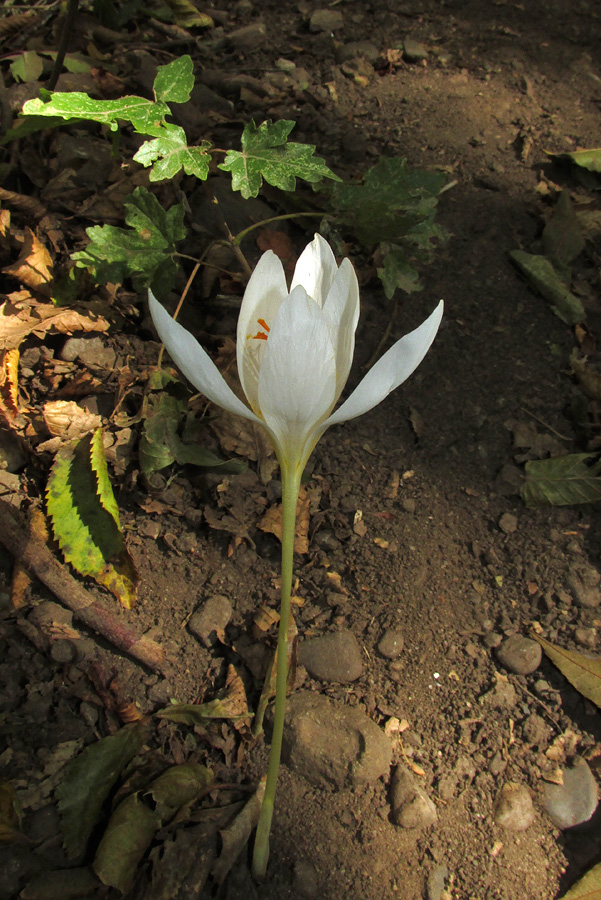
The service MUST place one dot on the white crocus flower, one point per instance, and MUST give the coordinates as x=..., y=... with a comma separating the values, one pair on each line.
x=295, y=350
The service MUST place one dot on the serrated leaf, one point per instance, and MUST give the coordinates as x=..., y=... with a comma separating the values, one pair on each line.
x=562, y=480
x=88, y=781
x=541, y=275
x=266, y=155
x=174, y=82
x=127, y=837
x=100, y=469
x=583, y=672
x=177, y=786
x=145, y=249
x=394, y=203
x=170, y=153
x=587, y=159
x=588, y=888
x=86, y=530
x=397, y=272
x=145, y=115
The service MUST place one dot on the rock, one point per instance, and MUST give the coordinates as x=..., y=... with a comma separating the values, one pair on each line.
x=333, y=746
x=206, y=623
x=519, y=654
x=391, y=644
x=574, y=801
x=508, y=523
x=502, y=696
x=513, y=809
x=332, y=657
x=248, y=38
x=411, y=806
x=535, y=730
x=413, y=51
x=583, y=582
x=326, y=20
x=306, y=883
x=436, y=882
x=49, y=613
x=357, y=50
x=586, y=637
x=90, y=351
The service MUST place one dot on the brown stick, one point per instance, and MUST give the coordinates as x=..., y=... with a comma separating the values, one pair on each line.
x=38, y=558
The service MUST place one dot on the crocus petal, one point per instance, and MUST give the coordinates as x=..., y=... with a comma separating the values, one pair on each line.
x=389, y=372
x=316, y=269
x=298, y=374
x=194, y=362
x=262, y=299
x=341, y=309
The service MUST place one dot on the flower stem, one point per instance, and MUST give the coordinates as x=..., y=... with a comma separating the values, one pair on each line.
x=290, y=489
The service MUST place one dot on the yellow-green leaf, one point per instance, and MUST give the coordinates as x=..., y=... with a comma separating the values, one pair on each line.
x=588, y=888
x=583, y=672
x=85, y=519
x=127, y=837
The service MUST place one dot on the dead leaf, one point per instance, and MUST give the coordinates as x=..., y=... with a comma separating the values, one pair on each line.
x=417, y=422
x=281, y=244
x=264, y=619
x=37, y=318
x=9, y=394
x=235, y=837
x=245, y=439
x=65, y=419
x=34, y=265
x=272, y=522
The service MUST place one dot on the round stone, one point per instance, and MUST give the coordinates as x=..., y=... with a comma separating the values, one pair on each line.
x=391, y=644
x=332, y=657
x=574, y=801
x=514, y=810
x=519, y=654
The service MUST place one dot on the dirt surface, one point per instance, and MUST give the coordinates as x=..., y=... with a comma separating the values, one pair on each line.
x=416, y=521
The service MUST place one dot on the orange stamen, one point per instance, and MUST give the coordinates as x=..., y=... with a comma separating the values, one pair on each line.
x=260, y=335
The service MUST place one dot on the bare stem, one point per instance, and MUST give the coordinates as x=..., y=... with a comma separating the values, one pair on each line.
x=290, y=489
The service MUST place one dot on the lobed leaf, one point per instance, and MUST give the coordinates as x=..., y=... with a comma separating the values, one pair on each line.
x=397, y=271
x=145, y=115
x=174, y=82
x=266, y=155
x=562, y=480
x=170, y=153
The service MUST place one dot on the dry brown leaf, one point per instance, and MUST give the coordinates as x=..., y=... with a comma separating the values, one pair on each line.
x=11, y=24
x=16, y=324
x=281, y=244
x=34, y=265
x=65, y=419
x=272, y=522
x=336, y=581
x=9, y=394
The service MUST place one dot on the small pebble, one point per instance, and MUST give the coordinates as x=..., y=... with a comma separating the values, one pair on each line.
x=519, y=654
x=391, y=644
x=326, y=20
x=574, y=801
x=411, y=806
x=583, y=582
x=413, y=51
x=508, y=523
x=332, y=657
x=586, y=637
x=514, y=810
x=436, y=882
x=210, y=619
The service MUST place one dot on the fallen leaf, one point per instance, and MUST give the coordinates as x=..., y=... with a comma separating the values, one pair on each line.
x=34, y=265
x=235, y=837
x=9, y=393
x=281, y=244
x=584, y=672
x=64, y=418
x=272, y=522
x=16, y=324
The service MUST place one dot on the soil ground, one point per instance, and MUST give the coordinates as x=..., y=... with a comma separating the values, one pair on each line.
x=451, y=557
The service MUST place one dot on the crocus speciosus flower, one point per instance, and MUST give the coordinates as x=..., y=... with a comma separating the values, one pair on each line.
x=295, y=350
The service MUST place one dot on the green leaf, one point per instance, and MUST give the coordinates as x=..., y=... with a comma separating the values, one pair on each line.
x=394, y=203
x=174, y=82
x=199, y=713
x=28, y=66
x=177, y=786
x=541, y=275
x=581, y=671
x=161, y=445
x=30, y=125
x=186, y=15
x=397, y=272
x=562, y=236
x=145, y=116
x=85, y=519
x=144, y=249
x=588, y=888
x=266, y=155
x=172, y=154
x=563, y=480
x=128, y=835
x=88, y=781
x=588, y=159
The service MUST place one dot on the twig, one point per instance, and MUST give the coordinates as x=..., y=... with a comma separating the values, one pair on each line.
x=545, y=424
x=38, y=558
x=62, y=45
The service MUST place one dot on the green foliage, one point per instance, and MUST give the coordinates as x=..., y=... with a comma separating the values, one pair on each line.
x=266, y=154
x=144, y=115
x=127, y=837
x=174, y=82
x=165, y=411
x=199, y=713
x=170, y=153
x=85, y=518
x=563, y=480
x=395, y=206
x=587, y=159
x=88, y=781
x=145, y=249
x=177, y=786
x=541, y=274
